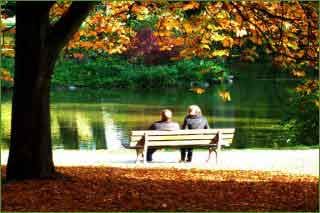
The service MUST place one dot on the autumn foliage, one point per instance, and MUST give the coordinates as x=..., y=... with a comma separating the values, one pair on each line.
x=285, y=32
x=115, y=189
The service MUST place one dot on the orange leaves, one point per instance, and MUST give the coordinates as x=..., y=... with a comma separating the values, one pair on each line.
x=59, y=9
x=225, y=95
x=309, y=87
x=216, y=27
x=5, y=75
x=78, y=55
x=227, y=42
x=198, y=90
x=256, y=39
x=249, y=55
x=140, y=11
x=105, y=189
x=191, y=5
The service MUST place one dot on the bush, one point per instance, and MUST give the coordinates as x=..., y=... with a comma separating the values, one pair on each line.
x=7, y=63
x=117, y=72
x=302, y=119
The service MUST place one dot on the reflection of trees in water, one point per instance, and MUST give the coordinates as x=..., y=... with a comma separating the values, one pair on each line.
x=257, y=105
x=113, y=133
x=5, y=124
x=98, y=133
x=68, y=131
x=85, y=129
x=104, y=119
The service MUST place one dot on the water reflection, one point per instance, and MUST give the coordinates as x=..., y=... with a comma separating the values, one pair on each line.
x=113, y=133
x=103, y=119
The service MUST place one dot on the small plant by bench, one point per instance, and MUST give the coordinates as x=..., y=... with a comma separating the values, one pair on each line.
x=211, y=139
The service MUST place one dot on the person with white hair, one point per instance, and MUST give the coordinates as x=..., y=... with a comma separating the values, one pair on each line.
x=166, y=124
x=193, y=120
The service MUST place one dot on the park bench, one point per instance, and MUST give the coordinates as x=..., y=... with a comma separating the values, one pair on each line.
x=211, y=139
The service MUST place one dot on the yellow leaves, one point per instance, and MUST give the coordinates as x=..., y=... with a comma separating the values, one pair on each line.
x=220, y=53
x=299, y=73
x=217, y=37
x=213, y=27
x=187, y=27
x=293, y=45
x=205, y=46
x=140, y=11
x=222, y=15
x=2, y=26
x=115, y=50
x=225, y=95
x=9, y=52
x=198, y=90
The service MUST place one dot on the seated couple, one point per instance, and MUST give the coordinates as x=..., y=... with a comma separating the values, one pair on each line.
x=193, y=120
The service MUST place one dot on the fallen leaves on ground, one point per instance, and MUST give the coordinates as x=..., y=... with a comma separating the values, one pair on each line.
x=106, y=189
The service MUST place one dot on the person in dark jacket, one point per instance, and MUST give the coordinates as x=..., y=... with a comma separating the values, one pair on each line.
x=194, y=120
x=164, y=124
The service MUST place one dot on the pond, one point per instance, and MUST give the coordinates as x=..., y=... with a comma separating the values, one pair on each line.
x=102, y=119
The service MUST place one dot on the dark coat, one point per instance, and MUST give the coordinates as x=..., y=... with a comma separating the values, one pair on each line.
x=195, y=122
x=164, y=125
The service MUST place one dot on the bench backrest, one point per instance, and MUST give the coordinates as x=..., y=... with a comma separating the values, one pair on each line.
x=183, y=137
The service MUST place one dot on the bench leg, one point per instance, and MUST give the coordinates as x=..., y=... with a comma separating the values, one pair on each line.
x=216, y=156
x=210, y=151
x=139, y=152
x=215, y=151
x=144, y=154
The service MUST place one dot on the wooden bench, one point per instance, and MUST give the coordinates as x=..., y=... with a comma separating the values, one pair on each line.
x=211, y=139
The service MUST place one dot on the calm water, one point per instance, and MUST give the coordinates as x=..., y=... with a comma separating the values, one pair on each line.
x=103, y=119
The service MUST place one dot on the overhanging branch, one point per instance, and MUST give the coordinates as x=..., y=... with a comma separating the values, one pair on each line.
x=68, y=24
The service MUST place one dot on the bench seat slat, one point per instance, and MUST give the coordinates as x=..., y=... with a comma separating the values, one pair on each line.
x=175, y=137
x=183, y=132
x=181, y=137
x=223, y=142
x=179, y=143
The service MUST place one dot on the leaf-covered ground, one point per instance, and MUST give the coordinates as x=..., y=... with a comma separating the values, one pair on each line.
x=117, y=189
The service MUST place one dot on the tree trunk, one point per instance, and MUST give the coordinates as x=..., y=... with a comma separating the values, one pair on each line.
x=37, y=47
x=30, y=153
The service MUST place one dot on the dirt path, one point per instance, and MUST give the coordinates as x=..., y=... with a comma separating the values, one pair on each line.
x=289, y=161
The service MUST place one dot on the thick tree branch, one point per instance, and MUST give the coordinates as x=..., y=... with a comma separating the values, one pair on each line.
x=68, y=24
x=264, y=11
